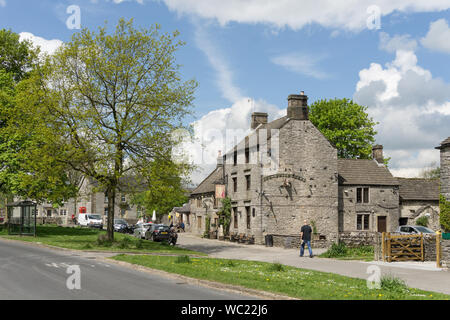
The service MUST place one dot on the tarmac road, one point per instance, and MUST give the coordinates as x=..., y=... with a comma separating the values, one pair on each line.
x=30, y=272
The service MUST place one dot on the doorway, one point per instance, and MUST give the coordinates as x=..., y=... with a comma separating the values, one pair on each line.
x=381, y=223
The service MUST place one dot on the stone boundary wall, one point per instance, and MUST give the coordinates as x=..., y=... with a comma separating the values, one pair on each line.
x=293, y=241
x=359, y=238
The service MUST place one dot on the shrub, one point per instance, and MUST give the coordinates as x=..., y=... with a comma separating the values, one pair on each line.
x=422, y=221
x=391, y=283
x=336, y=250
x=124, y=243
x=276, y=267
x=140, y=244
x=444, y=215
x=183, y=259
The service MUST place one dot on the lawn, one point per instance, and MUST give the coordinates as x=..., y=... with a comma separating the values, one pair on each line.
x=277, y=278
x=79, y=238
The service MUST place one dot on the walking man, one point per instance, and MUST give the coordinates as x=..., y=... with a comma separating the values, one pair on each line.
x=305, y=236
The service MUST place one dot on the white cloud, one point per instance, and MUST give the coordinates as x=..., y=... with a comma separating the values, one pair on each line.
x=412, y=107
x=2, y=3
x=224, y=74
x=47, y=46
x=438, y=37
x=398, y=42
x=301, y=64
x=294, y=14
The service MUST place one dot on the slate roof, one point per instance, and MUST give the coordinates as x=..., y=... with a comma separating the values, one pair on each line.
x=364, y=172
x=419, y=189
x=208, y=184
x=186, y=208
x=446, y=142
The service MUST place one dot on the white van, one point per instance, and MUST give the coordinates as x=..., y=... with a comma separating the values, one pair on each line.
x=90, y=220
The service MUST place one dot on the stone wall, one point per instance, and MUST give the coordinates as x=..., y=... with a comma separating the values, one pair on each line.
x=357, y=239
x=445, y=171
x=429, y=247
x=413, y=210
x=293, y=241
x=445, y=251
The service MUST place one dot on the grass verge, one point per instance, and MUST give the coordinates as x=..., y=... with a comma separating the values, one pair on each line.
x=281, y=279
x=94, y=240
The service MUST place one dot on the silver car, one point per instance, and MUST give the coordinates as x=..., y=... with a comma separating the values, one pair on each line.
x=414, y=230
x=140, y=229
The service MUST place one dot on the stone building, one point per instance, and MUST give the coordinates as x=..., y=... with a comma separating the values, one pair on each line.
x=419, y=198
x=444, y=148
x=285, y=171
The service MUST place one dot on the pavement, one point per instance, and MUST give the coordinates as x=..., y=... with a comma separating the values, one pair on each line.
x=420, y=275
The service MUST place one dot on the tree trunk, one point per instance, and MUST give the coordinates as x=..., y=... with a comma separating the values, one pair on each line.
x=110, y=222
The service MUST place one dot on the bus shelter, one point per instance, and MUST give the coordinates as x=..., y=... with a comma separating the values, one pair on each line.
x=22, y=218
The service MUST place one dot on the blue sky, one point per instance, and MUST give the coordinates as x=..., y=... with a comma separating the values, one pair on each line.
x=265, y=50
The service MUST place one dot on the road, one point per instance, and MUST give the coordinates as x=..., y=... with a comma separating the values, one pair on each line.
x=30, y=272
x=421, y=275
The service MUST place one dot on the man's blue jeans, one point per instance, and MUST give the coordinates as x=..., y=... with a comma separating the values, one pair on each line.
x=302, y=248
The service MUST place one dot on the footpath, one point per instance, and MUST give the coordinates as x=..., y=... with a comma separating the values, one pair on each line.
x=421, y=275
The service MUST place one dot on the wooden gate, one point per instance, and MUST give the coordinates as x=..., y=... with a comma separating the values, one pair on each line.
x=402, y=247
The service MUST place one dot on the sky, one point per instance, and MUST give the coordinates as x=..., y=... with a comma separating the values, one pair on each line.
x=249, y=55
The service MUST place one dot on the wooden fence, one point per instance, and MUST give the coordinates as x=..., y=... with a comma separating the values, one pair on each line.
x=402, y=247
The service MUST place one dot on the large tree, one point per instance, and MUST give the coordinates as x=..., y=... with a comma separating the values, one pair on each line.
x=109, y=103
x=346, y=124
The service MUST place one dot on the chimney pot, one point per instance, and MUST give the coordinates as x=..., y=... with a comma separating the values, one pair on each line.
x=298, y=106
x=377, y=153
x=258, y=118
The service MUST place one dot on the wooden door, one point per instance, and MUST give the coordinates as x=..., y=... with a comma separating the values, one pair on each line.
x=381, y=223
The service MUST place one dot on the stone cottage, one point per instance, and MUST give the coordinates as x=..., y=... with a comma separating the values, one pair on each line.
x=286, y=171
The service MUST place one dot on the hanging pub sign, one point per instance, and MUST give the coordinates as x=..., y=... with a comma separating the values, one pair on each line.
x=220, y=191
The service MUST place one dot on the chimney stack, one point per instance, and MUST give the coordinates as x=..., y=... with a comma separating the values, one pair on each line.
x=219, y=159
x=377, y=153
x=258, y=118
x=298, y=106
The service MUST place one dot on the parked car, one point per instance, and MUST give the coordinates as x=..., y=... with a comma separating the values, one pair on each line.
x=158, y=232
x=120, y=225
x=140, y=229
x=414, y=230
x=90, y=220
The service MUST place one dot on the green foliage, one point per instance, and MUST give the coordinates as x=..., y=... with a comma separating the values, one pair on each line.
x=276, y=267
x=431, y=172
x=314, y=227
x=225, y=215
x=139, y=244
x=422, y=221
x=183, y=259
x=16, y=57
x=207, y=227
x=110, y=102
x=393, y=284
x=346, y=125
x=444, y=215
x=336, y=250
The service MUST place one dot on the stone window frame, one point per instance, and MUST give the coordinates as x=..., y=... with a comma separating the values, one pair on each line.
x=235, y=184
x=248, y=216
x=364, y=197
x=248, y=181
x=235, y=218
x=363, y=216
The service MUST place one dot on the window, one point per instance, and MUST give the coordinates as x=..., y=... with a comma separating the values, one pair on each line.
x=106, y=211
x=63, y=212
x=248, y=181
x=234, y=184
x=362, y=195
x=362, y=222
x=106, y=198
x=235, y=157
x=247, y=155
x=235, y=215
x=247, y=210
x=123, y=198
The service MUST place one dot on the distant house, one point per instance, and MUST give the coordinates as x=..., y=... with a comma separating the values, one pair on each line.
x=419, y=197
